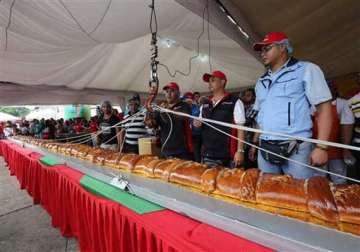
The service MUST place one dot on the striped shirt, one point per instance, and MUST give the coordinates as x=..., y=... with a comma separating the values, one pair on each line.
x=354, y=103
x=135, y=129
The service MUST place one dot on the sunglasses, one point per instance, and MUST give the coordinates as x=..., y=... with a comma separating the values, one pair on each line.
x=267, y=48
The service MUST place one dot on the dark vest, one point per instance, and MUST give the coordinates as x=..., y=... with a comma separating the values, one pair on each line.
x=216, y=144
x=176, y=143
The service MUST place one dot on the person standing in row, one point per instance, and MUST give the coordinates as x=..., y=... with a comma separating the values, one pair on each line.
x=110, y=134
x=284, y=96
x=134, y=127
x=175, y=132
x=217, y=148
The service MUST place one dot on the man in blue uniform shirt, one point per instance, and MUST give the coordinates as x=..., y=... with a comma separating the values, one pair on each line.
x=284, y=96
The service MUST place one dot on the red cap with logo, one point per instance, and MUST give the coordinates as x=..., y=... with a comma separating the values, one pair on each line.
x=172, y=85
x=215, y=73
x=189, y=95
x=270, y=38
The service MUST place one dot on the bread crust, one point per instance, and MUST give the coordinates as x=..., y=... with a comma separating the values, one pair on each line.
x=145, y=166
x=228, y=182
x=282, y=191
x=347, y=198
x=188, y=174
x=321, y=203
x=128, y=161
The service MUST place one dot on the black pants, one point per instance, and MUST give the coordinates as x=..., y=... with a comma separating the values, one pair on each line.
x=212, y=162
x=196, y=140
x=184, y=156
x=354, y=171
x=130, y=148
x=247, y=162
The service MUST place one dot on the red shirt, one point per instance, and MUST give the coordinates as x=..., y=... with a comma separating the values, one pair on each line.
x=333, y=152
x=93, y=127
x=78, y=128
x=120, y=116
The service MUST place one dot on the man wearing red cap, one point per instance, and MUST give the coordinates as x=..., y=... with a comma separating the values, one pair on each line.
x=218, y=148
x=175, y=132
x=284, y=96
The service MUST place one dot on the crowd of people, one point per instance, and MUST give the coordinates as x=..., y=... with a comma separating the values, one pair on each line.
x=49, y=128
x=291, y=99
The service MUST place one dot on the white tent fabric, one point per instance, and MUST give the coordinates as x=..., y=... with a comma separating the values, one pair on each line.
x=46, y=113
x=321, y=31
x=7, y=117
x=105, y=44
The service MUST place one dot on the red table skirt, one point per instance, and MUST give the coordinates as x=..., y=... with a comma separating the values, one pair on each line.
x=103, y=225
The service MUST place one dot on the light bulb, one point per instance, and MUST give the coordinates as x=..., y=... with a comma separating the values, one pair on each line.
x=203, y=57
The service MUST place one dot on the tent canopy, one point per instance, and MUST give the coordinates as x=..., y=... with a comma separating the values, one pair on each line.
x=106, y=45
x=322, y=31
x=82, y=51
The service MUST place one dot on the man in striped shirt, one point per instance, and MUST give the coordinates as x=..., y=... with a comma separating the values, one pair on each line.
x=134, y=128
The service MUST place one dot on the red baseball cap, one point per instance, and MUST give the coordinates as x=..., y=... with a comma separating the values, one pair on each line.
x=215, y=73
x=172, y=85
x=189, y=95
x=270, y=38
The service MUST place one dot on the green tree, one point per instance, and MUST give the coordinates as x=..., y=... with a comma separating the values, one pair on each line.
x=15, y=111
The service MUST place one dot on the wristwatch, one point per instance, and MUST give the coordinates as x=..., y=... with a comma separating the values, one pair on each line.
x=241, y=151
x=322, y=147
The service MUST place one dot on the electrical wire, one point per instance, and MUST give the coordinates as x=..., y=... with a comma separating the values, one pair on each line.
x=154, y=77
x=77, y=22
x=102, y=17
x=208, y=33
x=8, y=24
x=173, y=75
x=170, y=132
x=153, y=18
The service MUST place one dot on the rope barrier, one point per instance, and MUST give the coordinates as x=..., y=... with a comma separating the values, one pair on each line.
x=207, y=122
x=235, y=126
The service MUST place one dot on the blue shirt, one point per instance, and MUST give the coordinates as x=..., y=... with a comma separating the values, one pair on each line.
x=195, y=111
x=284, y=99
